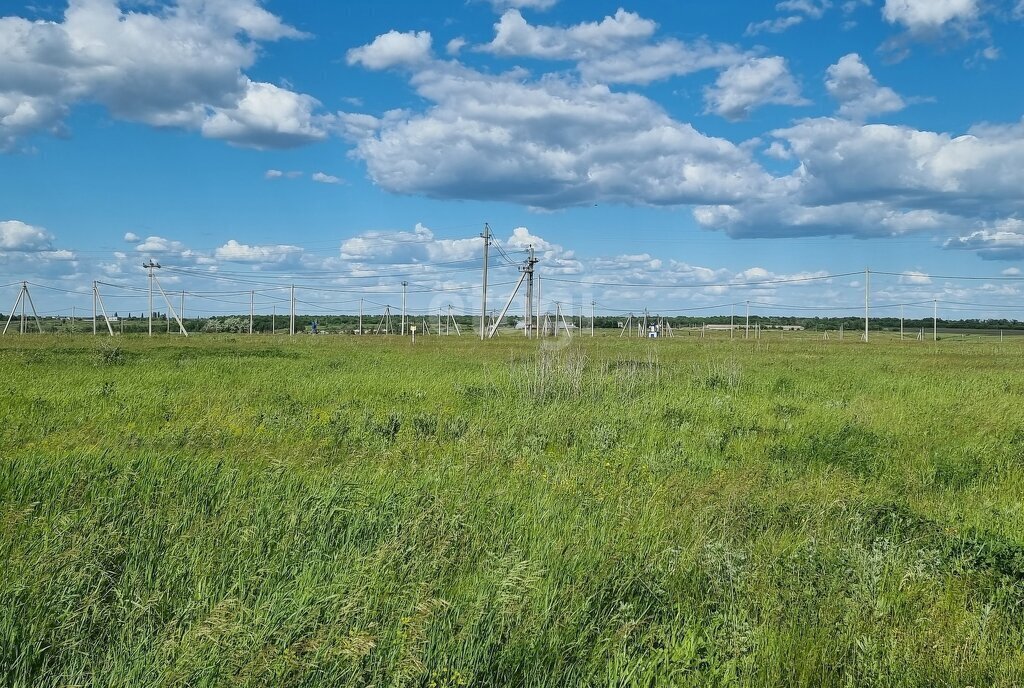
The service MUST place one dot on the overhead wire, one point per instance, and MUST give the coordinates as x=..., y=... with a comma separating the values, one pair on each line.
x=703, y=285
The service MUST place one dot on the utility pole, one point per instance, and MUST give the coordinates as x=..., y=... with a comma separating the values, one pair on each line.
x=360, y=316
x=901, y=322
x=170, y=308
x=593, y=314
x=867, y=298
x=404, y=287
x=273, y=320
x=181, y=309
x=935, y=320
x=252, y=298
x=291, y=313
x=151, y=265
x=746, y=332
x=24, y=297
x=540, y=304
x=515, y=290
x=528, y=310
x=97, y=300
x=483, y=303
x=732, y=320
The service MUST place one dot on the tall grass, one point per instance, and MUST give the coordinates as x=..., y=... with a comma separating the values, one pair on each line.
x=357, y=511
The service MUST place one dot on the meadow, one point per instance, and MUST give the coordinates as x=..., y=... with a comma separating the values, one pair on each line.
x=361, y=511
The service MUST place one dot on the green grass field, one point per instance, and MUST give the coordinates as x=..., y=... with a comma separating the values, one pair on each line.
x=343, y=511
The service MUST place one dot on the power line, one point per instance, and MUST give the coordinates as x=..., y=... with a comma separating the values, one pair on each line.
x=704, y=285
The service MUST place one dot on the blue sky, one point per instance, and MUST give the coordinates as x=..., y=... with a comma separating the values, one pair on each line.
x=678, y=148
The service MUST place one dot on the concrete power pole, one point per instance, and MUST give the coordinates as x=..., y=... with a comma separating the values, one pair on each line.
x=291, y=312
x=24, y=297
x=151, y=265
x=528, y=324
x=483, y=302
x=867, y=301
x=405, y=286
x=540, y=301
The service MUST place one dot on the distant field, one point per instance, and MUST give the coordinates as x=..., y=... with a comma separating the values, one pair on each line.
x=356, y=511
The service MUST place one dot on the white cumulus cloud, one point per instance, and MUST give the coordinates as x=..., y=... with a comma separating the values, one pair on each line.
x=928, y=15
x=617, y=49
x=180, y=65
x=851, y=83
x=548, y=143
x=236, y=252
x=392, y=49
x=1000, y=240
x=269, y=116
x=19, y=236
x=757, y=82
x=880, y=180
x=324, y=178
